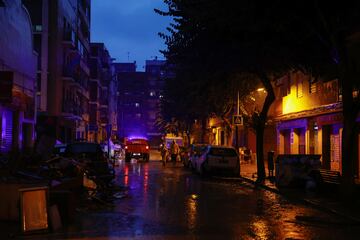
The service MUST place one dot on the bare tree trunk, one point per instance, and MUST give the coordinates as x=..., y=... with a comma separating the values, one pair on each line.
x=349, y=136
x=350, y=112
x=260, y=125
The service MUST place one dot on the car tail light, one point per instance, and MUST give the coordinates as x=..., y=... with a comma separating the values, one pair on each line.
x=147, y=147
x=126, y=147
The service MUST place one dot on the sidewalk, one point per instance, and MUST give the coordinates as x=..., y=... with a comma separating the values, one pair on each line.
x=325, y=201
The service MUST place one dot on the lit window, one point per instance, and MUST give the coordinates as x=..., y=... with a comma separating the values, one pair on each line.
x=38, y=28
x=152, y=94
x=137, y=104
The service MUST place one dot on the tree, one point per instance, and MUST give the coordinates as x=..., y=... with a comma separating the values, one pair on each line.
x=266, y=39
x=250, y=39
x=337, y=26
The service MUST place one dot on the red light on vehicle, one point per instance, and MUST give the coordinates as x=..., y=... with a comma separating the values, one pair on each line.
x=147, y=147
x=126, y=147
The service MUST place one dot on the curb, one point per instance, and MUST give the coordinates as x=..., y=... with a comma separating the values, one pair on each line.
x=274, y=190
x=304, y=201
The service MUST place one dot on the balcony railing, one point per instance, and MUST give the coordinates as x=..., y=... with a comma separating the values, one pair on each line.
x=74, y=78
x=69, y=37
x=72, y=108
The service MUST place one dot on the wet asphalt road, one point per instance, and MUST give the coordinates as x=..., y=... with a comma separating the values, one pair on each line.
x=173, y=203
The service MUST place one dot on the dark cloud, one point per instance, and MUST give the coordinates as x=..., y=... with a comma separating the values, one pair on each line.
x=129, y=26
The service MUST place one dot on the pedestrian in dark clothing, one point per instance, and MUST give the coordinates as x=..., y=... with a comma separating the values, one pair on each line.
x=174, y=151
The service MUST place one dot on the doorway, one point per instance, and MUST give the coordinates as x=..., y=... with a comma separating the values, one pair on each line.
x=326, y=152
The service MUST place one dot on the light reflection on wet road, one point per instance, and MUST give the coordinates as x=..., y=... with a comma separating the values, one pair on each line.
x=173, y=203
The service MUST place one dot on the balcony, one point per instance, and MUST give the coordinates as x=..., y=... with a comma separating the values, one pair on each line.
x=84, y=13
x=103, y=104
x=72, y=110
x=69, y=38
x=73, y=75
x=104, y=118
x=72, y=78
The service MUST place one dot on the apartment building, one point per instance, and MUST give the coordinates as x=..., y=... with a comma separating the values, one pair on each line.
x=61, y=33
x=17, y=78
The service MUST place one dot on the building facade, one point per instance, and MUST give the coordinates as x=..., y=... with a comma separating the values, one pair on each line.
x=17, y=78
x=311, y=118
x=103, y=95
x=156, y=74
x=132, y=104
x=62, y=36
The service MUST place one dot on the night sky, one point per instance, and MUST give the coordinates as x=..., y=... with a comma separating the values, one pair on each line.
x=129, y=26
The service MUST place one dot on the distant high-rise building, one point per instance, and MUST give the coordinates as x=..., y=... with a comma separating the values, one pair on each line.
x=139, y=98
x=61, y=31
x=157, y=73
x=132, y=104
x=125, y=67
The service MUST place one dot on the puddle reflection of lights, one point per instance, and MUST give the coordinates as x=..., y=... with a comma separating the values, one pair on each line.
x=260, y=229
x=146, y=178
x=126, y=178
x=191, y=210
x=139, y=170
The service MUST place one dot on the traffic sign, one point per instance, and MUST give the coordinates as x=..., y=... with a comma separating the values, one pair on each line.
x=237, y=120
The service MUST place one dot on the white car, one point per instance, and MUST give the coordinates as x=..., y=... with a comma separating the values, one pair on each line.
x=218, y=159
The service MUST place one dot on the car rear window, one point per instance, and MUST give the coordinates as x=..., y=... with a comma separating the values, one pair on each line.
x=83, y=148
x=138, y=142
x=226, y=152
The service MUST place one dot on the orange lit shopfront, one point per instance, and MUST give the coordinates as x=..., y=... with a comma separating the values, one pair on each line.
x=313, y=135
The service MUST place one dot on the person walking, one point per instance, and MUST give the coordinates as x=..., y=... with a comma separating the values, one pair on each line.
x=164, y=153
x=174, y=151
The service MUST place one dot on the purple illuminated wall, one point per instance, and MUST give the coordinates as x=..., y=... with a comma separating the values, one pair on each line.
x=6, y=131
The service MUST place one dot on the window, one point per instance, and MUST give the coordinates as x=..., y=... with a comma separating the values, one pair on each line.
x=152, y=93
x=299, y=88
x=312, y=84
x=284, y=84
x=38, y=28
x=226, y=152
x=137, y=105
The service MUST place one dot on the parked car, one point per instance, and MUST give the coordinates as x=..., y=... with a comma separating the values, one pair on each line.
x=137, y=148
x=194, y=151
x=92, y=155
x=218, y=159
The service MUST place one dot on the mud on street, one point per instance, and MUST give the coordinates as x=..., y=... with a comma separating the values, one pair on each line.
x=174, y=203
